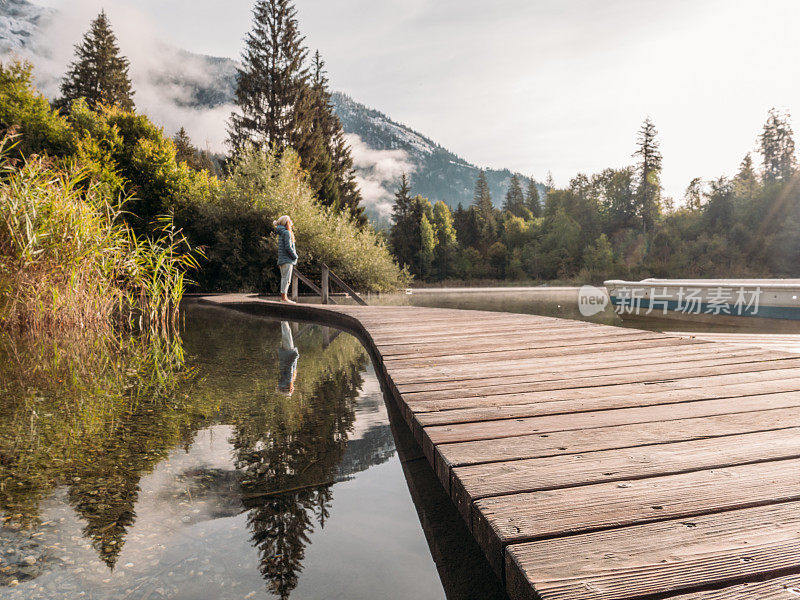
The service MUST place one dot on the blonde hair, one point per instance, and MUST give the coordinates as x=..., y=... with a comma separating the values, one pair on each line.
x=281, y=221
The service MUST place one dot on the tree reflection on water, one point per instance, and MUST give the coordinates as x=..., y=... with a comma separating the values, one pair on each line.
x=92, y=416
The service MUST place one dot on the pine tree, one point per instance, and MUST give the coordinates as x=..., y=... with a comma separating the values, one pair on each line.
x=777, y=147
x=482, y=198
x=187, y=153
x=184, y=150
x=316, y=154
x=532, y=201
x=326, y=155
x=649, y=190
x=99, y=73
x=515, y=199
x=273, y=82
x=461, y=223
x=549, y=183
x=484, y=214
x=281, y=104
x=746, y=180
x=402, y=229
x=693, y=197
x=335, y=168
x=349, y=193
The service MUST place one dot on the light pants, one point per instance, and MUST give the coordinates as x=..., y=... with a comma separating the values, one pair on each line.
x=287, y=341
x=286, y=277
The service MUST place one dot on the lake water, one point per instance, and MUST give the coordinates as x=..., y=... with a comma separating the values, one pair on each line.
x=249, y=459
x=562, y=302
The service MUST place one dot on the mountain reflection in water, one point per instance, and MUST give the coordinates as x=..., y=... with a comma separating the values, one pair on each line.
x=187, y=472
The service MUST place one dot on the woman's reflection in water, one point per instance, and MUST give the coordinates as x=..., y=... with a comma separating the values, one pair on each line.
x=287, y=360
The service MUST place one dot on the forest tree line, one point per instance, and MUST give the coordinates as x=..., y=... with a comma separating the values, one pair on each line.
x=615, y=224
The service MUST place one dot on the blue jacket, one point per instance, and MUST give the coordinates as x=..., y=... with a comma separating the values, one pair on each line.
x=287, y=254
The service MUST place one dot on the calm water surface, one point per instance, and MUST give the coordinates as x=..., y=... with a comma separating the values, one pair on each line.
x=188, y=470
x=562, y=302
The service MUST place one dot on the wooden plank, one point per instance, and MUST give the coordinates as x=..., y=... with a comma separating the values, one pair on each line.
x=439, y=324
x=608, y=438
x=504, y=370
x=457, y=339
x=780, y=588
x=353, y=294
x=504, y=345
x=433, y=367
x=474, y=482
x=658, y=370
x=483, y=430
x=666, y=558
x=601, y=380
x=599, y=393
x=503, y=520
x=597, y=347
x=601, y=402
x=377, y=319
x=433, y=329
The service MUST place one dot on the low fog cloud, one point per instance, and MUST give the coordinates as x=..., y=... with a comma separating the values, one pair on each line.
x=163, y=77
x=378, y=173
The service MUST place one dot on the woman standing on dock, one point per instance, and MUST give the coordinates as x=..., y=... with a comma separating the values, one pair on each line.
x=287, y=253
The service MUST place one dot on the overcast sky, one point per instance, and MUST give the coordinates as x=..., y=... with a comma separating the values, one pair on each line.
x=536, y=85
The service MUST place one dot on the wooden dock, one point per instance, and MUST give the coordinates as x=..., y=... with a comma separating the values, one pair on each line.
x=594, y=462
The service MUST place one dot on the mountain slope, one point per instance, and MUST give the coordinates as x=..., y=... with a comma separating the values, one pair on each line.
x=436, y=173
x=19, y=23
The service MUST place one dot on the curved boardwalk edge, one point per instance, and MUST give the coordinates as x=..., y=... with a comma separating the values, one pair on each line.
x=593, y=462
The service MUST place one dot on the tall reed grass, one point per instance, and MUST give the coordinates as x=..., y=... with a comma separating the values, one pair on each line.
x=68, y=259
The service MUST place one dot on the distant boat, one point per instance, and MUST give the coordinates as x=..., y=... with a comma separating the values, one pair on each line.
x=712, y=300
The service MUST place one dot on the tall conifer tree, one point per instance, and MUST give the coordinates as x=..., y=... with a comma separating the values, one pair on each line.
x=482, y=198
x=316, y=153
x=99, y=73
x=282, y=104
x=349, y=193
x=746, y=180
x=777, y=147
x=184, y=149
x=649, y=191
x=272, y=88
x=483, y=213
x=403, y=228
x=515, y=198
x=329, y=159
x=532, y=201
x=549, y=183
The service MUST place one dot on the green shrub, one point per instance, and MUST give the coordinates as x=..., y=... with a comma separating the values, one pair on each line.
x=28, y=112
x=236, y=230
